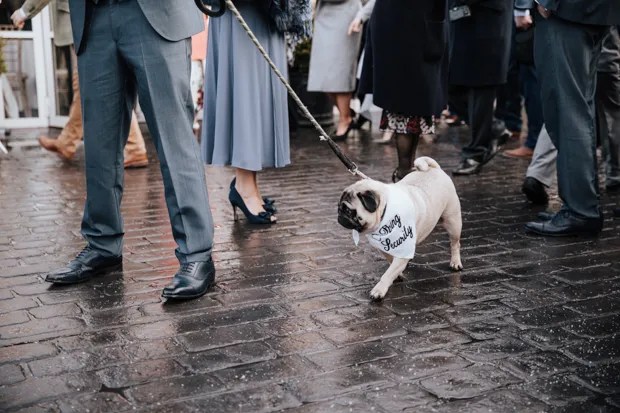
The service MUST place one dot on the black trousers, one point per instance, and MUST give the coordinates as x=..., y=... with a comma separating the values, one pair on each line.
x=475, y=104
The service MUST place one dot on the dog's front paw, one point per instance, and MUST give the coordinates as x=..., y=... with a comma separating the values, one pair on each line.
x=378, y=292
x=456, y=265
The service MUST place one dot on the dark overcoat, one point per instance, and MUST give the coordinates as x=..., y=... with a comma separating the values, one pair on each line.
x=406, y=57
x=480, y=44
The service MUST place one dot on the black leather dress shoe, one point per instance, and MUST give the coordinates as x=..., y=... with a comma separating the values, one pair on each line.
x=564, y=224
x=535, y=191
x=468, y=166
x=191, y=281
x=88, y=263
x=545, y=215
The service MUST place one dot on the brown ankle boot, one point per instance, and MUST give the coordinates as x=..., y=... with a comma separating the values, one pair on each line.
x=135, y=149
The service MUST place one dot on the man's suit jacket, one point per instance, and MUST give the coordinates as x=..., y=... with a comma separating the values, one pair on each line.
x=599, y=12
x=174, y=20
x=60, y=18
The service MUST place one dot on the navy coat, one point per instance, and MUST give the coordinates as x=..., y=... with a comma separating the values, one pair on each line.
x=480, y=44
x=406, y=57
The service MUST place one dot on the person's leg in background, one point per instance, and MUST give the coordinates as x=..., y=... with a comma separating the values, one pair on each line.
x=482, y=146
x=533, y=108
x=71, y=135
x=345, y=118
x=541, y=171
x=135, y=149
x=508, y=106
x=566, y=55
x=608, y=113
x=457, y=101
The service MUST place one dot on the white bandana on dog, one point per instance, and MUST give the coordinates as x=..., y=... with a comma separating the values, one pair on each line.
x=396, y=234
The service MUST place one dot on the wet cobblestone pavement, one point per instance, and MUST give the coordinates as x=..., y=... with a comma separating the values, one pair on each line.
x=530, y=325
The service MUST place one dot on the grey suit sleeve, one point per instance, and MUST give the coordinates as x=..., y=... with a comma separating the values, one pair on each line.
x=33, y=7
x=366, y=11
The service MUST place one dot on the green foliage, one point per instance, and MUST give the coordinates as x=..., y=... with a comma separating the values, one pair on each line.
x=302, y=56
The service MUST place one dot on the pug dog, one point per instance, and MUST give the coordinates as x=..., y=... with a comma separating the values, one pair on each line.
x=397, y=217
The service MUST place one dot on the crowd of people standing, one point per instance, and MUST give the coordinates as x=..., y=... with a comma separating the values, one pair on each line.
x=472, y=57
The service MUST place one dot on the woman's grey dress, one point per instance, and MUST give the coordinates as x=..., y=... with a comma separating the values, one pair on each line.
x=333, y=59
x=245, y=106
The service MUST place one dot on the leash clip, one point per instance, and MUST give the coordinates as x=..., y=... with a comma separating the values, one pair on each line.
x=211, y=12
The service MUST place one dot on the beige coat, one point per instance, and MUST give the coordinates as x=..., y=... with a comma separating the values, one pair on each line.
x=60, y=18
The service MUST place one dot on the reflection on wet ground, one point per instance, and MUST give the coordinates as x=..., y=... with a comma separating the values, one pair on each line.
x=530, y=325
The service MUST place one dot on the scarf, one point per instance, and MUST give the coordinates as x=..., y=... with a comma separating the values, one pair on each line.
x=396, y=234
x=293, y=17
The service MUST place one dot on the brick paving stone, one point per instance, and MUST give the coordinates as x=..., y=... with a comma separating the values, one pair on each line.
x=558, y=390
x=595, y=327
x=400, y=397
x=77, y=361
x=263, y=399
x=326, y=386
x=489, y=350
x=426, y=341
x=311, y=342
x=15, y=317
x=344, y=404
x=352, y=355
x=409, y=367
x=227, y=357
x=468, y=383
x=266, y=371
x=11, y=374
x=94, y=402
x=489, y=329
x=540, y=364
x=511, y=401
x=530, y=325
x=600, y=378
x=188, y=386
x=25, y=352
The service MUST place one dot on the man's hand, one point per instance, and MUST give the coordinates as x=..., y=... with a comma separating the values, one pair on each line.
x=523, y=22
x=19, y=18
x=544, y=12
x=355, y=26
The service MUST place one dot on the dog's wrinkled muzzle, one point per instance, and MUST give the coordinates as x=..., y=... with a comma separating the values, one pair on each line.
x=346, y=220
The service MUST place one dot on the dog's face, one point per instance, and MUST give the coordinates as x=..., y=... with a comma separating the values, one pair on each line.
x=360, y=207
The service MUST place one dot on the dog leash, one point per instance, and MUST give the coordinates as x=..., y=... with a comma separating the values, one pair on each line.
x=223, y=4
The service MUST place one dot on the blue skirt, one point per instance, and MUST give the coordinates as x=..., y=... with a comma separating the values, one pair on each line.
x=245, y=122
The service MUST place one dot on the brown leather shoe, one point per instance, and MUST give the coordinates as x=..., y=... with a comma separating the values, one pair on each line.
x=65, y=153
x=52, y=145
x=522, y=152
x=136, y=160
x=48, y=143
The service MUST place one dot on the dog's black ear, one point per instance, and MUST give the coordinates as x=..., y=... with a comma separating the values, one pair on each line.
x=369, y=199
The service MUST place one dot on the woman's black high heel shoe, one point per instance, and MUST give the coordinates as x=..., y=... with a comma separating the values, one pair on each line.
x=360, y=122
x=237, y=202
x=269, y=204
x=345, y=135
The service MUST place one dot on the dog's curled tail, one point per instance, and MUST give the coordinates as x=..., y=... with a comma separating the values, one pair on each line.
x=423, y=163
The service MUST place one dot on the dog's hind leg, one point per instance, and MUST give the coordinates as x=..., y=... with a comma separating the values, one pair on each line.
x=453, y=224
x=397, y=266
